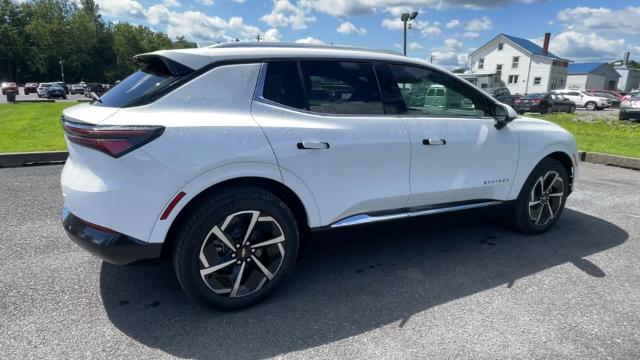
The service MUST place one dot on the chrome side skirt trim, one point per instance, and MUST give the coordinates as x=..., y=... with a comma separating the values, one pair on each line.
x=365, y=219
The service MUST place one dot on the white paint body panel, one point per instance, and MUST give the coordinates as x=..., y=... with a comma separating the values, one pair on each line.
x=216, y=131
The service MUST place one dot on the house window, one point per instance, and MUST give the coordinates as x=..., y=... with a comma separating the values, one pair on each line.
x=481, y=64
x=537, y=80
x=516, y=60
x=499, y=68
x=513, y=79
x=484, y=86
x=561, y=83
x=500, y=46
x=554, y=82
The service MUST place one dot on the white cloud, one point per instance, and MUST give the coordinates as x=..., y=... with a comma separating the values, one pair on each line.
x=481, y=24
x=348, y=28
x=415, y=46
x=426, y=28
x=239, y=1
x=471, y=35
x=309, y=40
x=452, y=43
x=284, y=14
x=580, y=46
x=206, y=2
x=453, y=24
x=623, y=21
x=171, y=3
x=272, y=35
x=344, y=8
x=121, y=8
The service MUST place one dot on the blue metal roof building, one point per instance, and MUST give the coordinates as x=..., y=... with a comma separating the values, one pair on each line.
x=592, y=75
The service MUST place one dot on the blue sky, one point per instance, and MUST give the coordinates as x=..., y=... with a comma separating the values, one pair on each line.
x=583, y=30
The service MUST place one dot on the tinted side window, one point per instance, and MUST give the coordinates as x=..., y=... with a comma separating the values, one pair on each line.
x=282, y=84
x=341, y=87
x=433, y=93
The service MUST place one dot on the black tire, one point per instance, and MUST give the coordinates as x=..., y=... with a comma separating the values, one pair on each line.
x=572, y=109
x=195, y=238
x=591, y=106
x=521, y=218
x=621, y=117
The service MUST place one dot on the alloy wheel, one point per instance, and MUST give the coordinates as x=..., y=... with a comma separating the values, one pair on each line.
x=242, y=253
x=546, y=198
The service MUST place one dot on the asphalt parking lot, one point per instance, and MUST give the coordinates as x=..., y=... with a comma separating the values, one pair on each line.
x=22, y=96
x=415, y=289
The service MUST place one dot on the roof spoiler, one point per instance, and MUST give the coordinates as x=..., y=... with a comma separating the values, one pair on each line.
x=158, y=64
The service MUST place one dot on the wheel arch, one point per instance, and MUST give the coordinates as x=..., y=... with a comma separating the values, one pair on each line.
x=287, y=195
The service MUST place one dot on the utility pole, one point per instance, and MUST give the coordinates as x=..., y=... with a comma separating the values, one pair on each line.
x=61, y=62
x=432, y=59
x=405, y=18
x=258, y=37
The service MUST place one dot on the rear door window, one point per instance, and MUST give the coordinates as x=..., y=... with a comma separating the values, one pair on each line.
x=341, y=87
x=282, y=84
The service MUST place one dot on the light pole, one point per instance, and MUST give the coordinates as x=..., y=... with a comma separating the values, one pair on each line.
x=61, y=62
x=405, y=18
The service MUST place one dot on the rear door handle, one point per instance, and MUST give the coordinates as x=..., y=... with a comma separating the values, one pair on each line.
x=434, y=142
x=315, y=145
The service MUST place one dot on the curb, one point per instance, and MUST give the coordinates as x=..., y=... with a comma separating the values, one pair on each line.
x=612, y=160
x=28, y=158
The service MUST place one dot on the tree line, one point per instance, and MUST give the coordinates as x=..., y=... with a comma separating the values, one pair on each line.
x=35, y=36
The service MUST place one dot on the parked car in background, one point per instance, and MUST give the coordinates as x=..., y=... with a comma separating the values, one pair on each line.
x=96, y=88
x=630, y=108
x=7, y=85
x=503, y=95
x=30, y=88
x=76, y=89
x=614, y=93
x=56, y=91
x=582, y=99
x=64, y=86
x=544, y=103
x=615, y=101
x=42, y=89
x=226, y=166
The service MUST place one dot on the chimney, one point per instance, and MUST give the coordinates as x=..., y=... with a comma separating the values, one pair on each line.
x=625, y=62
x=545, y=46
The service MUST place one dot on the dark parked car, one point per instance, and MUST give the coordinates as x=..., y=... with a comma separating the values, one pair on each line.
x=615, y=101
x=56, y=91
x=94, y=87
x=544, y=103
x=630, y=108
x=30, y=88
x=6, y=86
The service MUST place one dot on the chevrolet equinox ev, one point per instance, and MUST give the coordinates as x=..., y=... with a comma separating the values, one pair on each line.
x=223, y=158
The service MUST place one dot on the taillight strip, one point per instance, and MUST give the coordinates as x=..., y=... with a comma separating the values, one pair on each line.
x=113, y=140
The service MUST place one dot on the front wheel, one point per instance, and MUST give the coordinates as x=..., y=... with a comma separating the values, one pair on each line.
x=591, y=106
x=541, y=199
x=572, y=109
x=235, y=248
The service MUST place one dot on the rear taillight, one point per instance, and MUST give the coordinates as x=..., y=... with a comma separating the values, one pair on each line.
x=113, y=140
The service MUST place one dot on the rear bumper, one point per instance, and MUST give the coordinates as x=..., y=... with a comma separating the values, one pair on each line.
x=109, y=245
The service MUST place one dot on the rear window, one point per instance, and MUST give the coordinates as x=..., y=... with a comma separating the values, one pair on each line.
x=155, y=77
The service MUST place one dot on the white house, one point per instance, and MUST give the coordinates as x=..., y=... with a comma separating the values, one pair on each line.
x=518, y=64
x=585, y=76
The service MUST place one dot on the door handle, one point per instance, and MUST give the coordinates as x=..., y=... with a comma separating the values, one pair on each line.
x=314, y=145
x=434, y=142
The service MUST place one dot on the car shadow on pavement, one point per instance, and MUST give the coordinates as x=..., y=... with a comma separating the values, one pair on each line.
x=350, y=282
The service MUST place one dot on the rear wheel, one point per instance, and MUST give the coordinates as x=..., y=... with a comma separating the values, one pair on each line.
x=621, y=117
x=541, y=199
x=572, y=109
x=591, y=106
x=235, y=248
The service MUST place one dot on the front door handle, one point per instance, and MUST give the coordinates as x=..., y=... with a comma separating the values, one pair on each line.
x=315, y=145
x=434, y=142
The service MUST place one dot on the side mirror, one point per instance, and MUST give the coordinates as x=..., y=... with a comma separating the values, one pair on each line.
x=504, y=115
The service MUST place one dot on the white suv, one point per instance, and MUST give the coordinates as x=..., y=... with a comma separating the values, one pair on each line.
x=582, y=99
x=224, y=158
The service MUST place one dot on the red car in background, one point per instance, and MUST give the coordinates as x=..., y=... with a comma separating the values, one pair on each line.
x=610, y=92
x=30, y=88
x=6, y=86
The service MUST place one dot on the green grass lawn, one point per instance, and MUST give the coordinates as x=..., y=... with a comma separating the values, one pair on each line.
x=600, y=135
x=31, y=127
x=36, y=127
